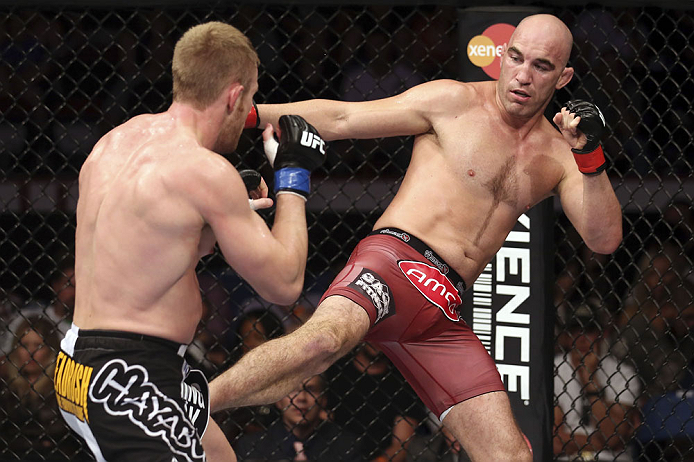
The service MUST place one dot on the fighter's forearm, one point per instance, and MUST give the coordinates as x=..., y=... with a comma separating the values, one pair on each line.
x=596, y=213
x=601, y=218
x=323, y=114
x=289, y=229
x=272, y=261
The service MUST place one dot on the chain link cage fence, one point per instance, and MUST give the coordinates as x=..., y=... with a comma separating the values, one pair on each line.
x=624, y=342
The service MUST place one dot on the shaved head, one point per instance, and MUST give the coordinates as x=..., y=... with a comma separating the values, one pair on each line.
x=551, y=30
x=534, y=65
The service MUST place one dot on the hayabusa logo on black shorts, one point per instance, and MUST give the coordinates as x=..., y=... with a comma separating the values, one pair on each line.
x=371, y=284
x=195, y=391
x=126, y=391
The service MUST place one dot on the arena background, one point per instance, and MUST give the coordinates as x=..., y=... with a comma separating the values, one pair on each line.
x=70, y=71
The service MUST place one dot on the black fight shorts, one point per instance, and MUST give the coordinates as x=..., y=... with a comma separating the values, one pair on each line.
x=131, y=397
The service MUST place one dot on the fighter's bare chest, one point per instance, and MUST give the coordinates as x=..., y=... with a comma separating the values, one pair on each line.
x=477, y=156
x=505, y=170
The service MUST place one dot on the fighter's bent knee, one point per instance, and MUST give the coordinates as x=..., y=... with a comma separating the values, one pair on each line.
x=324, y=344
x=521, y=453
x=500, y=456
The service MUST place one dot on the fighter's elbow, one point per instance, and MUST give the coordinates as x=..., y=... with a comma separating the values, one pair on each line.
x=324, y=347
x=284, y=292
x=291, y=293
x=603, y=249
x=338, y=123
x=607, y=243
x=334, y=128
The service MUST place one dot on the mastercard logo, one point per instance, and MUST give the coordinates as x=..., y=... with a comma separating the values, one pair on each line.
x=485, y=50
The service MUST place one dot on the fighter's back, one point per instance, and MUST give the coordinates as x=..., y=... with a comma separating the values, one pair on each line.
x=137, y=236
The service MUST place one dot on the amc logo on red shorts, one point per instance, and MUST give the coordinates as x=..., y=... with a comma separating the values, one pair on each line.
x=485, y=50
x=434, y=285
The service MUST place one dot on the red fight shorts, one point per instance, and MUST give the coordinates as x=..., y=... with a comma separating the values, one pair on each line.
x=412, y=298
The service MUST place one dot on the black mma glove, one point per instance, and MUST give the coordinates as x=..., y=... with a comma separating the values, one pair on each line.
x=590, y=158
x=251, y=179
x=301, y=150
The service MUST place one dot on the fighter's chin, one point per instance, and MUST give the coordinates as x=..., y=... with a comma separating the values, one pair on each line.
x=520, y=109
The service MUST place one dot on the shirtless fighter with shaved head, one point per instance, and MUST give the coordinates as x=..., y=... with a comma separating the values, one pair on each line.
x=483, y=154
x=154, y=197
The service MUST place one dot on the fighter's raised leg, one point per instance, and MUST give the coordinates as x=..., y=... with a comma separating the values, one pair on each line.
x=275, y=368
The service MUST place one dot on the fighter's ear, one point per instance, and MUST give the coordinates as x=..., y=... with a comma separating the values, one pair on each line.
x=233, y=93
x=565, y=77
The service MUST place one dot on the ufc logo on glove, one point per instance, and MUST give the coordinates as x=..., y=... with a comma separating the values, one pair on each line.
x=311, y=140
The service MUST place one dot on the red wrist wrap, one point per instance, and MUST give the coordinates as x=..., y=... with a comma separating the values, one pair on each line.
x=591, y=163
x=252, y=119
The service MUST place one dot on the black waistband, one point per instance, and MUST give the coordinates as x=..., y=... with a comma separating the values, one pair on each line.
x=426, y=252
x=129, y=336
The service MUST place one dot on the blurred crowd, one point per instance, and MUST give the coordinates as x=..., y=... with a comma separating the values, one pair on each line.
x=624, y=364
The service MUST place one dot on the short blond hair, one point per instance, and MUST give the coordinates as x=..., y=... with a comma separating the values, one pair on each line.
x=208, y=58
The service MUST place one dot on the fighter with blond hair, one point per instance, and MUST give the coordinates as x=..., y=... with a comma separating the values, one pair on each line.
x=154, y=196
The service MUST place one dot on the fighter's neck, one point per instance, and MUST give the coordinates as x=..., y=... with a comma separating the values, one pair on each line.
x=202, y=124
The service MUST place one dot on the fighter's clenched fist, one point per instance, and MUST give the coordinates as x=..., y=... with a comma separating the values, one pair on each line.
x=300, y=151
x=582, y=125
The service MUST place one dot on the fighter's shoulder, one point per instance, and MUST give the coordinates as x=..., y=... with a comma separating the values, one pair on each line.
x=201, y=166
x=130, y=136
x=444, y=88
x=204, y=180
x=448, y=92
x=135, y=126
